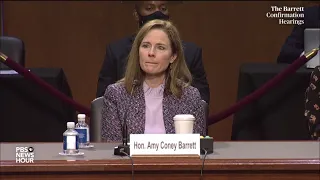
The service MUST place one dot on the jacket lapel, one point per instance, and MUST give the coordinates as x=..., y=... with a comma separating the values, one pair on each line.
x=169, y=101
x=137, y=118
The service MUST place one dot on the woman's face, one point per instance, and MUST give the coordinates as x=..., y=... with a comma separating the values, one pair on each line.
x=155, y=53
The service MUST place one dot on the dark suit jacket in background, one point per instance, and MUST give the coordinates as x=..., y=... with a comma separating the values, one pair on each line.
x=294, y=44
x=115, y=61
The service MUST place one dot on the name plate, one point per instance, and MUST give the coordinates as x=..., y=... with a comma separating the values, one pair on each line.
x=164, y=144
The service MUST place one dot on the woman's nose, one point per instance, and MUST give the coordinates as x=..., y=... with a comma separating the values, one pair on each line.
x=151, y=52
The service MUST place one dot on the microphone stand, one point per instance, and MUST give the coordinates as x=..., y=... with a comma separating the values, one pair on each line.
x=123, y=149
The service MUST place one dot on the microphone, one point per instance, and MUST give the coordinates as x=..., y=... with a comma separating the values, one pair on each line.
x=124, y=149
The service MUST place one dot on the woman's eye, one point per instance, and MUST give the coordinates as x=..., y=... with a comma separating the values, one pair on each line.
x=161, y=47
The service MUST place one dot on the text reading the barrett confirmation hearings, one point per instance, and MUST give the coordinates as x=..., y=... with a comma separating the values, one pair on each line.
x=287, y=15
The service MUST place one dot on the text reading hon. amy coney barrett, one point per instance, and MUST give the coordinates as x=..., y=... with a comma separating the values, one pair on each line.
x=164, y=145
x=168, y=144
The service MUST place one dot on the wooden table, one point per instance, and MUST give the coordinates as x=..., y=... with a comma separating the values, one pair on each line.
x=230, y=161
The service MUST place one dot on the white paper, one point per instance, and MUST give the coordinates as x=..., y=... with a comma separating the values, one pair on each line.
x=8, y=72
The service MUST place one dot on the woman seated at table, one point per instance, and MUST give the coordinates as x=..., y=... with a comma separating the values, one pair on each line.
x=155, y=88
x=312, y=104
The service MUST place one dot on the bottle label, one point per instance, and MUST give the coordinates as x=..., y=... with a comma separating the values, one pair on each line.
x=70, y=143
x=83, y=135
x=88, y=135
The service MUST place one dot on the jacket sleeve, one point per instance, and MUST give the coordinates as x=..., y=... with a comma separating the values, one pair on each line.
x=293, y=46
x=199, y=76
x=108, y=72
x=312, y=104
x=110, y=123
x=199, y=113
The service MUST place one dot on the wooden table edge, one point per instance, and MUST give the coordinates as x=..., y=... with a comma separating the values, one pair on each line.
x=155, y=164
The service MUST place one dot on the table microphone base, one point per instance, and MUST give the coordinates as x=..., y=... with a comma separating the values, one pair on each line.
x=206, y=144
x=118, y=151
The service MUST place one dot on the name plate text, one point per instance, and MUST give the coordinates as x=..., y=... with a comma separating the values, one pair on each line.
x=164, y=144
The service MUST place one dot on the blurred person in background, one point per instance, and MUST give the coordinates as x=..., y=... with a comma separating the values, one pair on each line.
x=293, y=47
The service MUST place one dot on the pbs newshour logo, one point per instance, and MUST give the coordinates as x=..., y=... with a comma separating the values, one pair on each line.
x=24, y=154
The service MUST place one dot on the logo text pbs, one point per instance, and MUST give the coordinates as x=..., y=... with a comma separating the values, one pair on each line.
x=24, y=149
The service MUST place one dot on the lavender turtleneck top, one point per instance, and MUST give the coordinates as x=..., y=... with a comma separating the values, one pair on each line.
x=154, y=112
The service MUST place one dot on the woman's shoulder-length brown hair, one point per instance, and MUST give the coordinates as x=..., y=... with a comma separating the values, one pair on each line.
x=178, y=75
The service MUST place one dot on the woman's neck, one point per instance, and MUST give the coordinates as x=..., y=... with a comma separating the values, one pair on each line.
x=154, y=81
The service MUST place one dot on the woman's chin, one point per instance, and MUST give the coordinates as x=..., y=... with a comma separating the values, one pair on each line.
x=153, y=73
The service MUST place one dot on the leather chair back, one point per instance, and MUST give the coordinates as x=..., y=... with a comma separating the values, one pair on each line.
x=14, y=49
x=95, y=120
x=206, y=113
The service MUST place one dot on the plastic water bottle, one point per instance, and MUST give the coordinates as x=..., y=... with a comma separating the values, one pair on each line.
x=70, y=140
x=83, y=129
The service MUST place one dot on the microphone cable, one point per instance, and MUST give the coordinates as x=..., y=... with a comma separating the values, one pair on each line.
x=126, y=130
x=132, y=169
x=203, y=160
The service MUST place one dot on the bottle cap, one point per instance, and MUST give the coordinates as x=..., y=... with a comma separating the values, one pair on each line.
x=81, y=116
x=70, y=125
x=81, y=120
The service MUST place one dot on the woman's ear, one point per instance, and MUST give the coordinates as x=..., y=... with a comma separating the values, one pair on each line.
x=173, y=58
